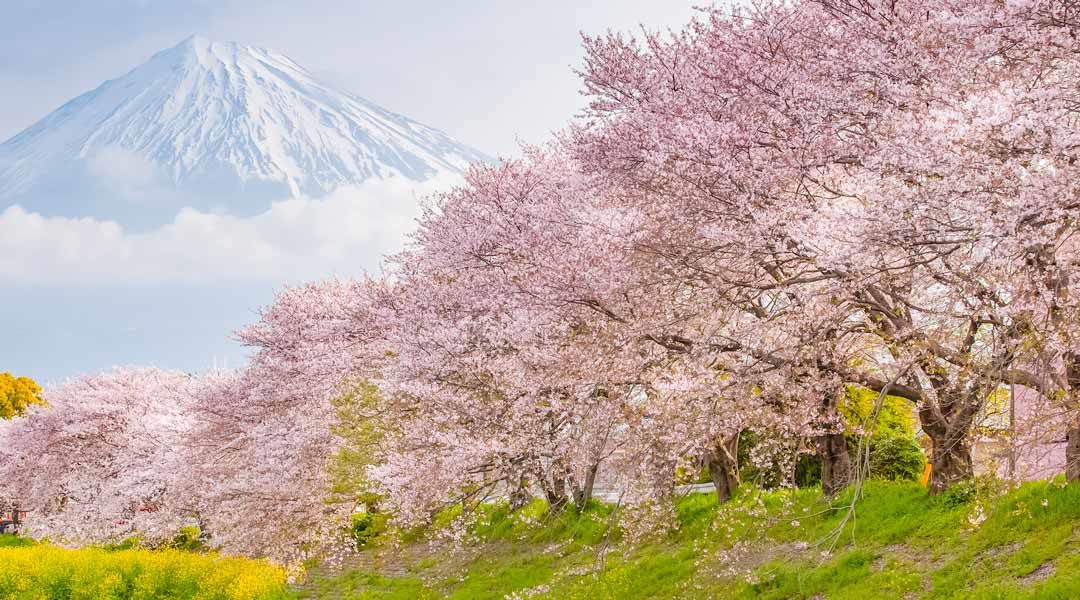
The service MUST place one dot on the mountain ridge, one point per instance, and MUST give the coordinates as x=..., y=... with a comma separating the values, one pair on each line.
x=206, y=116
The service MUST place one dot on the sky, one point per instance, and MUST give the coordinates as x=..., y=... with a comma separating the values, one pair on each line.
x=83, y=295
x=488, y=73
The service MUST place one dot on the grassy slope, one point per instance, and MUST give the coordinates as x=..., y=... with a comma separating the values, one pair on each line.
x=900, y=544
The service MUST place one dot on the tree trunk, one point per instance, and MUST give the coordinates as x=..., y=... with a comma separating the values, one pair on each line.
x=554, y=492
x=556, y=499
x=835, y=462
x=583, y=493
x=950, y=456
x=949, y=428
x=519, y=495
x=723, y=464
x=1072, y=437
x=951, y=462
x=1072, y=454
x=832, y=448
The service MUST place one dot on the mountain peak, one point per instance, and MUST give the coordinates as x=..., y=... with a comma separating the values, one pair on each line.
x=194, y=40
x=221, y=118
x=204, y=47
x=196, y=52
x=208, y=52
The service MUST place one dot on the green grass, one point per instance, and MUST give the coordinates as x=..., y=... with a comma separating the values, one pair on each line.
x=11, y=541
x=898, y=543
x=37, y=571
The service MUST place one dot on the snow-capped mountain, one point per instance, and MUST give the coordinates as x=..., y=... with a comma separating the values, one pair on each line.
x=214, y=124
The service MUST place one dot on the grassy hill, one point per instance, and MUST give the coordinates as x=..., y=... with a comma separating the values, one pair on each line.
x=897, y=543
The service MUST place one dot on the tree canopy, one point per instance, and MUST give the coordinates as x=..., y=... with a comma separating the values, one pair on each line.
x=17, y=394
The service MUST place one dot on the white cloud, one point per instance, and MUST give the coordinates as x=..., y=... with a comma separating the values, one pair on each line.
x=343, y=233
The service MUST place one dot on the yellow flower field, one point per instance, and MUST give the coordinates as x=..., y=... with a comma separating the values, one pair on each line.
x=45, y=572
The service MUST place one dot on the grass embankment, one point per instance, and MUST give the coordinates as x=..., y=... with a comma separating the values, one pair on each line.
x=899, y=544
x=40, y=571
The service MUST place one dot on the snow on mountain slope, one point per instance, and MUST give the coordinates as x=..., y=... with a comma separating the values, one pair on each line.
x=218, y=118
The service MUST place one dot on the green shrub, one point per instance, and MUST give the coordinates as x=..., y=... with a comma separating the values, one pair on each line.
x=894, y=453
x=8, y=540
x=985, y=488
x=189, y=538
x=896, y=458
x=130, y=543
x=808, y=470
x=366, y=526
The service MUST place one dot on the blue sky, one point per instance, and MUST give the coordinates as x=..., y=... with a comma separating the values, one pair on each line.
x=491, y=74
x=486, y=72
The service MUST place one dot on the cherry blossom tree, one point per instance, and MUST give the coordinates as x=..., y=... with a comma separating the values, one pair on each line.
x=885, y=158
x=100, y=462
x=263, y=437
x=532, y=270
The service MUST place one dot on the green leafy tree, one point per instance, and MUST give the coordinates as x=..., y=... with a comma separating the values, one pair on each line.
x=361, y=429
x=894, y=450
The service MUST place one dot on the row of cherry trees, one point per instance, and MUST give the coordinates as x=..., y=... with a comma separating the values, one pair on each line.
x=245, y=455
x=754, y=212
